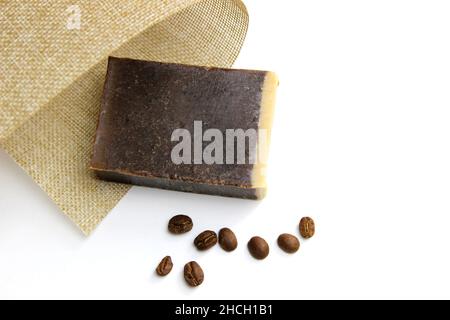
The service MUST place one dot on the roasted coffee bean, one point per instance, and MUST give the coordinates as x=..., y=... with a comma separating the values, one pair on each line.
x=180, y=224
x=165, y=266
x=206, y=240
x=307, y=228
x=193, y=274
x=227, y=240
x=258, y=248
x=288, y=243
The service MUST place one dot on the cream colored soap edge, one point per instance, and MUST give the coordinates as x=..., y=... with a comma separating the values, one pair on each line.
x=266, y=118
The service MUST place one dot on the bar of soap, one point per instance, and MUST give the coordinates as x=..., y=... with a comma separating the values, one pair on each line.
x=180, y=127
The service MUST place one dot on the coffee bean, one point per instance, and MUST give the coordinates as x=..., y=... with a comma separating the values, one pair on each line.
x=180, y=224
x=258, y=248
x=288, y=243
x=205, y=240
x=307, y=228
x=193, y=274
x=227, y=240
x=165, y=266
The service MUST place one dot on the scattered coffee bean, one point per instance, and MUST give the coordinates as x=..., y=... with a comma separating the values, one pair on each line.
x=205, y=240
x=193, y=274
x=180, y=224
x=307, y=228
x=258, y=248
x=227, y=240
x=288, y=243
x=164, y=267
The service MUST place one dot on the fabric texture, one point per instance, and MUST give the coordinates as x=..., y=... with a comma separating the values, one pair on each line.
x=51, y=80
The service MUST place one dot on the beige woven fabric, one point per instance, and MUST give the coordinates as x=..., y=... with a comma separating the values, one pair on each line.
x=51, y=80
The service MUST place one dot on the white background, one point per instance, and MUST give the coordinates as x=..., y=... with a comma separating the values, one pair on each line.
x=361, y=144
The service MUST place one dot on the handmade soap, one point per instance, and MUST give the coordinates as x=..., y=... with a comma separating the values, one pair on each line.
x=185, y=128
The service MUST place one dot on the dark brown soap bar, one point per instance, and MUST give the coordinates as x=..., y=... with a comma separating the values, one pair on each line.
x=185, y=128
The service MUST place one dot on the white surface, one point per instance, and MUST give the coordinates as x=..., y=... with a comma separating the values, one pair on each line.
x=361, y=143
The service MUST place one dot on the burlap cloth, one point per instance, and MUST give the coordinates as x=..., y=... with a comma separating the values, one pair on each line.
x=51, y=80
